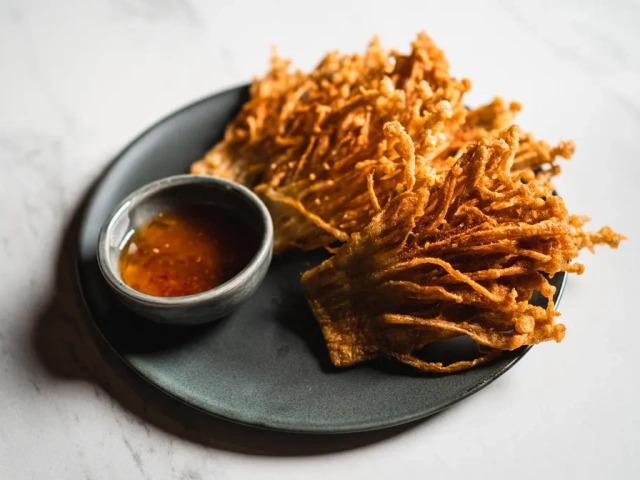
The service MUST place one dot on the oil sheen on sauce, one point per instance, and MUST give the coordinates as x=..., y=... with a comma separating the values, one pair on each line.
x=186, y=251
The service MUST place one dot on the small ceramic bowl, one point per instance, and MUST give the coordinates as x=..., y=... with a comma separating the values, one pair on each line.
x=173, y=192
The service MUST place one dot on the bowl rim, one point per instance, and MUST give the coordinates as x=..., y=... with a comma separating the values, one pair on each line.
x=263, y=252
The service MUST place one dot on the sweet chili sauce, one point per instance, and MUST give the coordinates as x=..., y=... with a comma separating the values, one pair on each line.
x=186, y=251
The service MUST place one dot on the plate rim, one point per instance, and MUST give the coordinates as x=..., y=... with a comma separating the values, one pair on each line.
x=88, y=200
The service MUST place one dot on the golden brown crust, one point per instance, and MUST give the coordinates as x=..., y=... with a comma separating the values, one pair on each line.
x=320, y=137
x=464, y=259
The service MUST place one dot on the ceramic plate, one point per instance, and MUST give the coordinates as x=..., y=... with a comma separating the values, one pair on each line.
x=266, y=365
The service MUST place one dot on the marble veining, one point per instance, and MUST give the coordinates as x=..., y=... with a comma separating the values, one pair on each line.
x=81, y=79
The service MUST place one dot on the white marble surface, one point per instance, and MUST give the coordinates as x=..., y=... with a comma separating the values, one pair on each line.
x=79, y=79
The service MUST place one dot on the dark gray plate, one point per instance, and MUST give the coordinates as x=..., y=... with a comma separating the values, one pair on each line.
x=266, y=365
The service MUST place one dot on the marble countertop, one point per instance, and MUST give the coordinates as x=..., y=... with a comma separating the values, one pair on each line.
x=81, y=79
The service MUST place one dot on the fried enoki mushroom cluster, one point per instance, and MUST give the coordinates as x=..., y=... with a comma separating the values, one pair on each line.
x=462, y=259
x=308, y=143
x=443, y=221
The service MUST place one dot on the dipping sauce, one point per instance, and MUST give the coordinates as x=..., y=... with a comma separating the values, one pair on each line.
x=186, y=251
